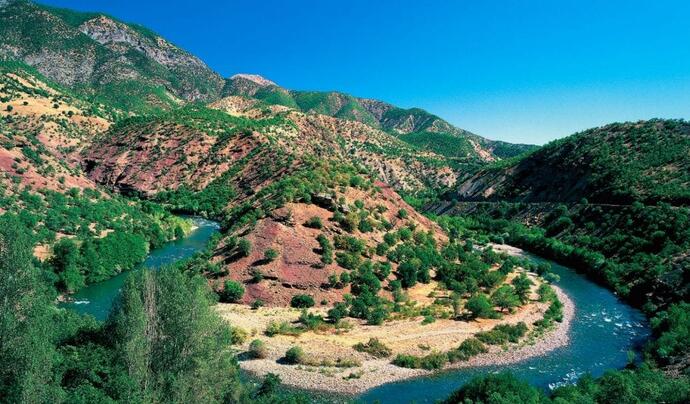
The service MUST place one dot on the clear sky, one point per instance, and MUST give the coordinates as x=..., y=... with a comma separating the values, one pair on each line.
x=521, y=71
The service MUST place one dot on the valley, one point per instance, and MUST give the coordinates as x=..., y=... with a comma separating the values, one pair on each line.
x=166, y=231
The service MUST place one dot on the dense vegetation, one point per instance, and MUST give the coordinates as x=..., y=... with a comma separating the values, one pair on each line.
x=643, y=385
x=92, y=235
x=621, y=163
x=162, y=342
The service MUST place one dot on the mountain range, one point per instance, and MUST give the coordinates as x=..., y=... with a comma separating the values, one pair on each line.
x=131, y=68
x=110, y=135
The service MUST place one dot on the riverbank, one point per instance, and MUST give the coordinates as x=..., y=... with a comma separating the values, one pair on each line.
x=407, y=336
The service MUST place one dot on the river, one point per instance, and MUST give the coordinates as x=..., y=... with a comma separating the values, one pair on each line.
x=97, y=298
x=603, y=331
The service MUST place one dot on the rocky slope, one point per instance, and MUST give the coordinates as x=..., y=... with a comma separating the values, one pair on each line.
x=42, y=131
x=266, y=171
x=195, y=146
x=122, y=64
x=415, y=126
x=646, y=161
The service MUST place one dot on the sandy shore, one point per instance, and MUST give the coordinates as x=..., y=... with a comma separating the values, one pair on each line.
x=375, y=372
x=402, y=336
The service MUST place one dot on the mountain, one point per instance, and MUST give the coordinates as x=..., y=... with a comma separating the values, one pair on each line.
x=124, y=65
x=133, y=69
x=645, y=161
x=414, y=126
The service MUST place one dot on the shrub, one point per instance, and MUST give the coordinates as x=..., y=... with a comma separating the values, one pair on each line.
x=244, y=247
x=314, y=222
x=326, y=249
x=232, y=292
x=402, y=213
x=311, y=321
x=257, y=303
x=467, y=349
x=365, y=226
x=433, y=361
x=282, y=328
x=377, y=315
x=257, y=349
x=505, y=298
x=522, y=286
x=270, y=255
x=479, y=306
x=374, y=347
x=302, y=301
x=406, y=361
x=257, y=275
x=294, y=355
x=503, y=333
x=338, y=312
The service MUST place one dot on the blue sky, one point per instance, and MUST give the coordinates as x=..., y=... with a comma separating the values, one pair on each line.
x=521, y=71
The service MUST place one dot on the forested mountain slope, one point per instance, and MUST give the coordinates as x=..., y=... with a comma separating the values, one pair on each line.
x=646, y=161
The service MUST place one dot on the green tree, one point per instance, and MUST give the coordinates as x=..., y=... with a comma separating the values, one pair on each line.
x=522, y=285
x=270, y=255
x=505, y=298
x=479, y=306
x=232, y=292
x=497, y=388
x=171, y=341
x=338, y=312
x=65, y=262
x=26, y=332
x=244, y=247
x=302, y=301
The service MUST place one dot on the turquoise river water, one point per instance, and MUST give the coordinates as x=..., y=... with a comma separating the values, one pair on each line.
x=603, y=331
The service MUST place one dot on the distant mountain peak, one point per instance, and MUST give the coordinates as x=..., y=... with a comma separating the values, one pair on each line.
x=255, y=78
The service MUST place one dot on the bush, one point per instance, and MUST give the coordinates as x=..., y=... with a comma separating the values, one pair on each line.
x=479, y=306
x=406, y=361
x=256, y=304
x=314, y=222
x=497, y=388
x=433, y=361
x=467, y=349
x=232, y=292
x=505, y=298
x=302, y=301
x=257, y=349
x=402, y=213
x=311, y=321
x=294, y=355
x=338, y=312
x=282, y=328
x=374, y=347
x=244, y=247
x=326, y=249
x=270, y=255
x=503, y=333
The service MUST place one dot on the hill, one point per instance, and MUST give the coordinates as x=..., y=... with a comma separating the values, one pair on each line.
x=646, y=161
